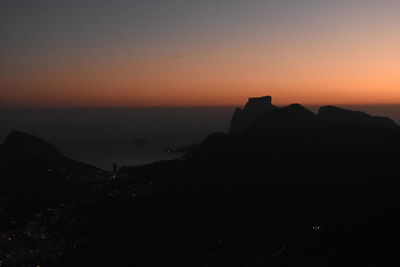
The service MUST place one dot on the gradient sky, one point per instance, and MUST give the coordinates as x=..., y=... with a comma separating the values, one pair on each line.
x=205, y=52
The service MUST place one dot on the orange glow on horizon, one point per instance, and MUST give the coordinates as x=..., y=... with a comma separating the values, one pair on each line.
x=333, y=69
x=204, y=54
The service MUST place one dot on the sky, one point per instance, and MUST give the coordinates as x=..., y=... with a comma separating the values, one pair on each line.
x=198, y=53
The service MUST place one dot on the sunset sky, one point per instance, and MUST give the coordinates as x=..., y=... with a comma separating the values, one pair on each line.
x=203, y=53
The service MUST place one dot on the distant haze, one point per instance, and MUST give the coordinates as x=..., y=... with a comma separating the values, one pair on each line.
x=102, y=136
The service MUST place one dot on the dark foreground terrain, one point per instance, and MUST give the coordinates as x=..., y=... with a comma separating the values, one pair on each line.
x=285, y=187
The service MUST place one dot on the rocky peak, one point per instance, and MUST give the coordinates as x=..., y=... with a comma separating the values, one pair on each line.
x=255, y=108
x=258, y=103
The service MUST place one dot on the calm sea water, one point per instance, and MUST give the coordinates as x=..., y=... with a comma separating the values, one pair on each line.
x=103, y=136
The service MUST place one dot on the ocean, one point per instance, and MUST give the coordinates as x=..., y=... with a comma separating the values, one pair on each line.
x=130, y=136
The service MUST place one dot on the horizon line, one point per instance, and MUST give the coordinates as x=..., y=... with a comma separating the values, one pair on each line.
x=192, y=106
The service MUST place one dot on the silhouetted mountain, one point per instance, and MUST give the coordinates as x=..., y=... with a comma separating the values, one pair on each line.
x=255, y=108
x=294, y=188
x=19, y=147
x=340, y=115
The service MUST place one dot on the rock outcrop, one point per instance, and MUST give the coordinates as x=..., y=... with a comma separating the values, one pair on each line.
x=255, y=108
